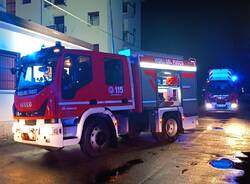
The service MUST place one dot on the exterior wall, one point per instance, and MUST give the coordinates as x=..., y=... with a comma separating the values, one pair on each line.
x=6, y=101
x=78, y=29
x=93, y=34
x=132, y=22
x=25, y=10
x=3, y=5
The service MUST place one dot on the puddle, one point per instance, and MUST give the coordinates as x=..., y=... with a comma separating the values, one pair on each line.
x=217, y=128
x=209, y=127
x=111, y=175
x=223, y=163
x=240, y=161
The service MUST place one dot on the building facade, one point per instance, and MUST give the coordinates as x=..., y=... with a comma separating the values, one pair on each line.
x=94, y=21
x=3, y=5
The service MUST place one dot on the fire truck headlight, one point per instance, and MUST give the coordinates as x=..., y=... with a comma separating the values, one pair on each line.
x=208, y=106
x=234, y=105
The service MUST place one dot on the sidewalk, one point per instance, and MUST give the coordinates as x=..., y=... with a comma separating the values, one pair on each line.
x=5, y=132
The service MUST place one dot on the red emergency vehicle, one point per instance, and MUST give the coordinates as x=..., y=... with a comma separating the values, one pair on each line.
x=221, y=92
x=67, y=97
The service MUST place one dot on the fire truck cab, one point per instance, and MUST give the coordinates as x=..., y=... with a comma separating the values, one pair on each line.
x=221, y=93
x=67, y=97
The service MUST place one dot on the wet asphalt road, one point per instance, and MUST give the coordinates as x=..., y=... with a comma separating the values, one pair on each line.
x=140, y=160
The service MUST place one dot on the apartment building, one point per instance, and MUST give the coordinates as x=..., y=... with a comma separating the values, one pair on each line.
x=3, y=5
x=94, y=21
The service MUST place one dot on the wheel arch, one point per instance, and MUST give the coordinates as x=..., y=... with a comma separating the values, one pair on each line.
x=176, y=114
x=103, y=113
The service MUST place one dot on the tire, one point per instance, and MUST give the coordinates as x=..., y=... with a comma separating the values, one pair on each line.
x=170, y=130
x=53, y=149
x=96, y=138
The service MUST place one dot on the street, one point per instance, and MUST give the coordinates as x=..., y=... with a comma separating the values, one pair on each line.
x=141, y=160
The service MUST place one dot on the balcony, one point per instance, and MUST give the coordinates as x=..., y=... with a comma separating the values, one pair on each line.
x=58, y=27
x=55, y=2
x=129, y=9
x=129, y=37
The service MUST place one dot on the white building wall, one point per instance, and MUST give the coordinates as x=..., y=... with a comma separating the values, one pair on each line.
x=3, y=5
x=78, y=29
x=6, y=101
x=31, y=11
x=93, y=34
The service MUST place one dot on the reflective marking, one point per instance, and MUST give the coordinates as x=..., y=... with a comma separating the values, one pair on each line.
x=109, y=102
x=186, y=87
x=87, y=102
x=167, y=67
x=73, y=103
x=149, y=101
x=189, y=99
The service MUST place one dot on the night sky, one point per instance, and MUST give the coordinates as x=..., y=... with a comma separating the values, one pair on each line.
x=216, y=33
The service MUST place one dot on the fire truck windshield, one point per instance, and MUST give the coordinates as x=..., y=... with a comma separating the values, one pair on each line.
x=220, y=87
x=35, y=73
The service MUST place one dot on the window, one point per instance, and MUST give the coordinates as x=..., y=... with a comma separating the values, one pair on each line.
x=77, y=72
x=93, y=18
x=84, y=73
x=26, y=1
x=59, y=24
x=60, y=2
x=128, y=7
x=11, y=6
x=114, y=72
x=124, y=7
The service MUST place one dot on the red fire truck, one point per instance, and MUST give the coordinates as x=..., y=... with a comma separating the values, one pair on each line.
x=221, y=92
x=67, y=97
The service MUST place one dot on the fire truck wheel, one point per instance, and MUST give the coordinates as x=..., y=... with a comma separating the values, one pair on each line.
x=53, y=149
x=97, y=138
x=170, y=130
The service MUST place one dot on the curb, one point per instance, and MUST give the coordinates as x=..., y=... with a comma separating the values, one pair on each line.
x=6, y=141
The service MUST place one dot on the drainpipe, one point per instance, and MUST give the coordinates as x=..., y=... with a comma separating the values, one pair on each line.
x=41, y=12
x=111, y=27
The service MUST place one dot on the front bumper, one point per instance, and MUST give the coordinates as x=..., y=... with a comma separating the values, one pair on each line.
x=227, y=107
x=40, y=134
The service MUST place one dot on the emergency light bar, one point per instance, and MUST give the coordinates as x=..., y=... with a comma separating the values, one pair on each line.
x=220, y=74
x=168, y=67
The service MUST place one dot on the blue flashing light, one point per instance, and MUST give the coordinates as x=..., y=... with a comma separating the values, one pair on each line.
x=126, y=52
x=223, y=163
x=32, y=55
x=220, y=74
x=234, y=78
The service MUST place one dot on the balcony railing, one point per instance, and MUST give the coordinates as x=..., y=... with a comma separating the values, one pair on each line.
x=58, y=27
x=129, y=37
x=56, y=2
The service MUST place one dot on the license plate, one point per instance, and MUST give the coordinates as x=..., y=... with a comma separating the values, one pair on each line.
x=221, y=105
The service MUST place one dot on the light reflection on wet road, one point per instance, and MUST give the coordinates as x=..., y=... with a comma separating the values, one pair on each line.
x=139, y=161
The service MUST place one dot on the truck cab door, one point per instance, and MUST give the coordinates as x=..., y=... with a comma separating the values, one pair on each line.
x=77, y=72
